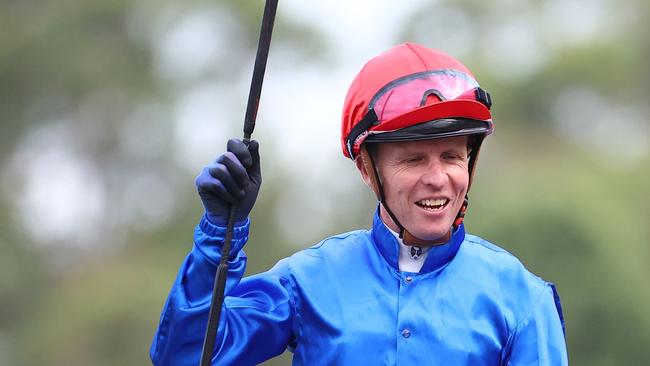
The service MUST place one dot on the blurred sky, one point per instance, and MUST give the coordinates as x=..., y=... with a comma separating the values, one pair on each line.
x=300, y=108
x=300, y=101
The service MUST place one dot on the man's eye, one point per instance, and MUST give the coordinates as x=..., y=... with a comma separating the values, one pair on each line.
x=452, y=156
x=413, y=160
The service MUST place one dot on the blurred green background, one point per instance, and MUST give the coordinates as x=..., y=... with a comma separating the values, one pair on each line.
x=108, y=110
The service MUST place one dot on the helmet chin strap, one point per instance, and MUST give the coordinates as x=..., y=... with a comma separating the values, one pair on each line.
x=404, y=234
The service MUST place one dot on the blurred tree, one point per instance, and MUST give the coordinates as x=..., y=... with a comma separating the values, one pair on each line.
x=88, y=92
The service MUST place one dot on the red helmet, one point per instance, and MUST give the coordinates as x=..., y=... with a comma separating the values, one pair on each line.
x=411, y=92
x=411, y=85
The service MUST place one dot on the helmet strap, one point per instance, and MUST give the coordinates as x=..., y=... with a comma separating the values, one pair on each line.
x=473, y=159
x=475, y=149
x=461, y=214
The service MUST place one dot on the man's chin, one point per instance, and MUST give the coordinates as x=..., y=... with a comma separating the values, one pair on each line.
x=441, y=235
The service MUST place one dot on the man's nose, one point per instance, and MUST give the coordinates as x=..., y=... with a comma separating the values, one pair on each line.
x=434, y=175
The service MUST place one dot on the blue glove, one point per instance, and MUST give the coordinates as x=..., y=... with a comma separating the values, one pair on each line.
x=233, y=179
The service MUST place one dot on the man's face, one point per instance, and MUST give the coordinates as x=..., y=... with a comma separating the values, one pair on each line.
x=424, y=183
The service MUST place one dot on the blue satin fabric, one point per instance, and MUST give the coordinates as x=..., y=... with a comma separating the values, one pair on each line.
x=344, y=302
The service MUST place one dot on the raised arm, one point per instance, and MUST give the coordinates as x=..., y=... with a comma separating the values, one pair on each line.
x=256, y=320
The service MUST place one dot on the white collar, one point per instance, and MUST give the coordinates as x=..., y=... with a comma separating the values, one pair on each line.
x=411, y=258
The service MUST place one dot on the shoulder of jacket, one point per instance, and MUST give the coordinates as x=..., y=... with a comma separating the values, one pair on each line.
x=502, y=260
x=332, y=244
x=480, y=242
x=520, y=290
x=343, y=239
x=328, y=252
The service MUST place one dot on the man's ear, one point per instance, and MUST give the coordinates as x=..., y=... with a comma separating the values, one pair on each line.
x=471, y=141
x=358, y=161
x=365, y=165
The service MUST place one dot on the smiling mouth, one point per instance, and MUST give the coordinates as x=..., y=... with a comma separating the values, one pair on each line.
x=433, y=205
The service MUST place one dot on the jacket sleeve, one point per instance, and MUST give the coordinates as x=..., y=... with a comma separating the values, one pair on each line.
x=539, y=338
x=256, y=318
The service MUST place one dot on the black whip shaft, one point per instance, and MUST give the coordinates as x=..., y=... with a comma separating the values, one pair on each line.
x=249, y=125
x=260, y=66
x=218, y=292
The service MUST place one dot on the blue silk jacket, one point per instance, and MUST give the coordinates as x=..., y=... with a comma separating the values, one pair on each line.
x=344, y=302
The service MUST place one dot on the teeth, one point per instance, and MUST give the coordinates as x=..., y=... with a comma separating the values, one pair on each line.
x=433, y=203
